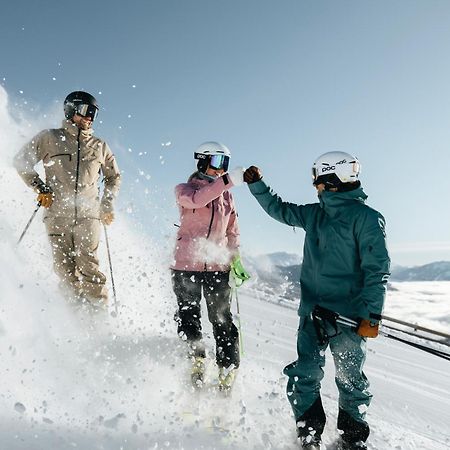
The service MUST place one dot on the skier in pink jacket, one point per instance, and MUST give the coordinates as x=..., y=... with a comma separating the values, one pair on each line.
x=207, y=244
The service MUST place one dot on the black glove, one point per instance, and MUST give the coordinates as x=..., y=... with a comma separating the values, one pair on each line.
x=252, y=175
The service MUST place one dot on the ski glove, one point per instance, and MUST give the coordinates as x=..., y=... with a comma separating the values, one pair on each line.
x=368, y=328
x=252, y=175
x=236, y=176
x=107, y=218
x=45, y=199
x=237, y=273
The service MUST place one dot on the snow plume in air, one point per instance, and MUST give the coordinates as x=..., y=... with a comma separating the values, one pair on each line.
x=209, y=252
x=74, y=380
x=62, y=369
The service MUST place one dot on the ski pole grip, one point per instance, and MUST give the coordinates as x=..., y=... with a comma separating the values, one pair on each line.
x=368, y=328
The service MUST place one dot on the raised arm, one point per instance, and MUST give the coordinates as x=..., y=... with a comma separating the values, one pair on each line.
x=192, y=197
x=287, y=213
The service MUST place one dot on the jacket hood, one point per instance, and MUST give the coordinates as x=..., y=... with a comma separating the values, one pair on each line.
x=335, y=202
x=72, y=129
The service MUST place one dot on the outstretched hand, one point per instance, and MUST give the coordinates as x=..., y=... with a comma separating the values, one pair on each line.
x=252, y=175
x=236, y=176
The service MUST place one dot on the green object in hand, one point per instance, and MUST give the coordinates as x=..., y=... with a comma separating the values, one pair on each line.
x=238, y=272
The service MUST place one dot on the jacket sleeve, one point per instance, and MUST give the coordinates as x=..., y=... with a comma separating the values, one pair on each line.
x=193, y=197
x=287, y=213
x=26, y=159
x=375, y=261
x=111, y=178
x=232, y=232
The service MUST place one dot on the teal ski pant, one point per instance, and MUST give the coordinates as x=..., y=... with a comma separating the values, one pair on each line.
x=305, y=374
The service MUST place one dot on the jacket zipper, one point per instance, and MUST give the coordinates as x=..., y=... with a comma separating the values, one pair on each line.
x=77, y=173
x=210, y=225
x=212, y=218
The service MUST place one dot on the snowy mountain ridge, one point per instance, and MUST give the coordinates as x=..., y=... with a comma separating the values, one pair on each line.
x=281, y=272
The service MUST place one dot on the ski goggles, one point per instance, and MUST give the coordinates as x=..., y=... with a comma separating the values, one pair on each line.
x=216, y=162
x=86, y=110
x=219, y=162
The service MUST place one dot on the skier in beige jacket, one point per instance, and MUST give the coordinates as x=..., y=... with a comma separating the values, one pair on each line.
x=73, y=160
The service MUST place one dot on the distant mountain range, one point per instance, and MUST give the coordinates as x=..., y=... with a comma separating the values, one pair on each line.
x=279, y=273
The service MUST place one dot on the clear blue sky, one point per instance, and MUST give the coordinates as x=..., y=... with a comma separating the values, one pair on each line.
x=279, y=82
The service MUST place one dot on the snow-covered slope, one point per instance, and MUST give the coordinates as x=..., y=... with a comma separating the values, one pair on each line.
x=71, y=380
x=74, y=381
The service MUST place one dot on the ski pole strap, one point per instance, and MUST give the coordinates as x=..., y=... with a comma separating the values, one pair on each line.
x=324, y=319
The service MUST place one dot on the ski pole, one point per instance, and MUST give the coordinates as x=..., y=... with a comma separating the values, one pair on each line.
x=29, y=223
x=241, y=340
x=111, y=271
x=385, y=331
x=353, y=323
x=413, y=334
x=416, y=327
x=422, y=347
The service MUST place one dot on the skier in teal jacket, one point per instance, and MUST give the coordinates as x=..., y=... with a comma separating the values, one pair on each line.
x=344, y=273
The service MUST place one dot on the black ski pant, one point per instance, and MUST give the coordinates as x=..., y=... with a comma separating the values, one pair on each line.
x=188, y=288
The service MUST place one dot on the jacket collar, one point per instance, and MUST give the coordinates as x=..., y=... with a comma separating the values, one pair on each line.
x=73, y=130
x=199, y=176
x=333, y=203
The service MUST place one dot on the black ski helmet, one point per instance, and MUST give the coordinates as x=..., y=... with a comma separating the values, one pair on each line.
x=76, y=99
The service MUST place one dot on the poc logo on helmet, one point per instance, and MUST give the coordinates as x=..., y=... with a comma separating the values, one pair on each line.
x=327, y=169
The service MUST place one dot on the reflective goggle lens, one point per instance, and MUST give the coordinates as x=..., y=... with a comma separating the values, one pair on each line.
x=86, y=110
x=219, y=162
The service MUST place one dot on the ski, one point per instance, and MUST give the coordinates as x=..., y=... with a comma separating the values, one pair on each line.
x=226, y=379
x=310, y=442
x=198, y=372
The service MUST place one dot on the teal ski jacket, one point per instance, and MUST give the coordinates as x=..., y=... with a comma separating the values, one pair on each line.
x=345, y=259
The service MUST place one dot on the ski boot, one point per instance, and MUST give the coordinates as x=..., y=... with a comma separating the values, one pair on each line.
x=197, y=372
x=226, y=378
x=346, y=445
x=310, y=442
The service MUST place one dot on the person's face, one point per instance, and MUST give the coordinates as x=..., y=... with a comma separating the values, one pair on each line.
x=321, y=187
x=214, y=172
x=84, y=123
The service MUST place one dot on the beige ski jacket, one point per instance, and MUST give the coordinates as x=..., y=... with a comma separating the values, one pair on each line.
x=73, y=161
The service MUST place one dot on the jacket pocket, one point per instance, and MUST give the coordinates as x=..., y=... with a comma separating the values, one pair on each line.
x=58, y=155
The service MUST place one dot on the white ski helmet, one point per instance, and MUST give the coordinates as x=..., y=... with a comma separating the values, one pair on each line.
x=335, y=168
x=212, y=154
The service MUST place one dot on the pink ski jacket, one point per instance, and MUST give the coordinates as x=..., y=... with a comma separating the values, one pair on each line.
x=208, y=237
